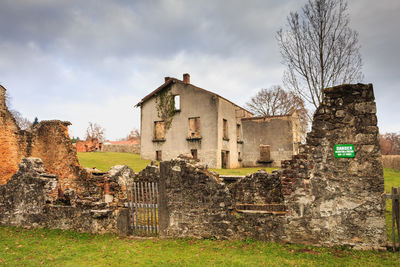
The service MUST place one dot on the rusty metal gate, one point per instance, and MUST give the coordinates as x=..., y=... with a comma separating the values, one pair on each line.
x=143, y=208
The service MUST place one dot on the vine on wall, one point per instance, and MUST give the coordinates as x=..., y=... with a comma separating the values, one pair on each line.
x=165, y=107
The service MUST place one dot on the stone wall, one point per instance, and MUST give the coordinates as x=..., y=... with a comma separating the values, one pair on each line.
x=149, y=174
x=122, y=148
x=338, y=201
x=314, y=199
x=280, y=133
x=196, y=203
x=91, y=145
x=48, y=140
x=258, y=188
x=26, y=200
x=12, y=147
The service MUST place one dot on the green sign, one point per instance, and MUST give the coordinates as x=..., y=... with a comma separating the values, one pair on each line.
x=344, y=151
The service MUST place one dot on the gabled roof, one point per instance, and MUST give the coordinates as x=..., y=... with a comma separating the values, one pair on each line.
x=170, y=81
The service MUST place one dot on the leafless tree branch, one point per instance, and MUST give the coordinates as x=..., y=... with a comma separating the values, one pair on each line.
x=319, y=49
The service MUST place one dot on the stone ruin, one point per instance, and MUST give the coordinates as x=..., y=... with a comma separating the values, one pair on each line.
x=315, y=198
x=48, y=140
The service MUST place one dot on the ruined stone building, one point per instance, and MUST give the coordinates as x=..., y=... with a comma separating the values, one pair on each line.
x=318, y=197
x=90, y=145
x=212, y=128
x=48, y=140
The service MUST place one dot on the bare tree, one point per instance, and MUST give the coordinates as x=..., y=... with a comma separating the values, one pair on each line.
x=276, y=101
x=390, y=143
x=23, y=123
x=133, y=135
x=319, y=49
x=95, y=131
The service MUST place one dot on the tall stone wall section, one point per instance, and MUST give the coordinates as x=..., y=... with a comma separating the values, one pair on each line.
x=48, y=140
x=338, y=201
x=12, y=146
x=51, y=143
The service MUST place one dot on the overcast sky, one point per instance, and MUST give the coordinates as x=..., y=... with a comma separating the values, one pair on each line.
x=84, y=61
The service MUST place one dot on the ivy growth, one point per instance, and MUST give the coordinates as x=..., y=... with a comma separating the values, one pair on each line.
x=165, y=107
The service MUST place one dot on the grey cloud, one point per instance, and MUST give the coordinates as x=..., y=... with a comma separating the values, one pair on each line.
x=87, y=51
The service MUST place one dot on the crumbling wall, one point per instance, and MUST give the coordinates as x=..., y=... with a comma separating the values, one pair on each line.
x=327, y=200
x=258, y=188
x=48, y=140
x=22, y=199
x=280, y=133
x=149, y=174
x=338, y=201
x=196, y=203
x=12, y=146
x=90, y=145
x=26, y=200
x=51, y=143
x=315, y=199
x=122, y=148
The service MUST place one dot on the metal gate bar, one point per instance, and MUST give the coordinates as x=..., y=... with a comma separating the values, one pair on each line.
x=143, y=205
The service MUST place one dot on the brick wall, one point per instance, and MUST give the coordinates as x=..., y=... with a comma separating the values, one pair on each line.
x=48, y=140
x=12, y=146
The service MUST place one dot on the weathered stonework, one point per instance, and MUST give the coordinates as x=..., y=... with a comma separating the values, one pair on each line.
x=149, y=174
x=314, y=199
x=327, y=201
x=11, y=141
x=26, y=200
x=258, y=188
x=196, y=203
x=338, y=201
x=48, y=140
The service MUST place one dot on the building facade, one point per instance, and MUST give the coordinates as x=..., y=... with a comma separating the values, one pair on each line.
x=209, y=127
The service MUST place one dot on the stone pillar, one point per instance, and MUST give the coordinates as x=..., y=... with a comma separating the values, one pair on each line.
x=338, y=200
x=2, y=98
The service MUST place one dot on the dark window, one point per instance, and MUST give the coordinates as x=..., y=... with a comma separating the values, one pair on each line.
x=265, y=153
x=224, y=159
x=159, y=130
x=225, y=128
x=158, y=155
x=194, y=153
x=194, y=127
x=238, y=131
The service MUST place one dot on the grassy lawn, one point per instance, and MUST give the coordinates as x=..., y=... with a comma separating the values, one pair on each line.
x=241, y=171
x=66, y=248
x=105, y=160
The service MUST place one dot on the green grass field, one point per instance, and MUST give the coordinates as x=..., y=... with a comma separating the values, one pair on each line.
x=105, y=160
x=21, y=247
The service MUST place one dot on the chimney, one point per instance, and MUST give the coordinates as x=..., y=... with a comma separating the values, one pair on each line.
x=186, y=78
x=167, y=79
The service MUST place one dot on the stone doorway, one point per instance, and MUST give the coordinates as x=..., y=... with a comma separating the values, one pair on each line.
x=224, y=159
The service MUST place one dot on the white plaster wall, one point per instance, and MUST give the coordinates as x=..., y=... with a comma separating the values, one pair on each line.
x=194, y=103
